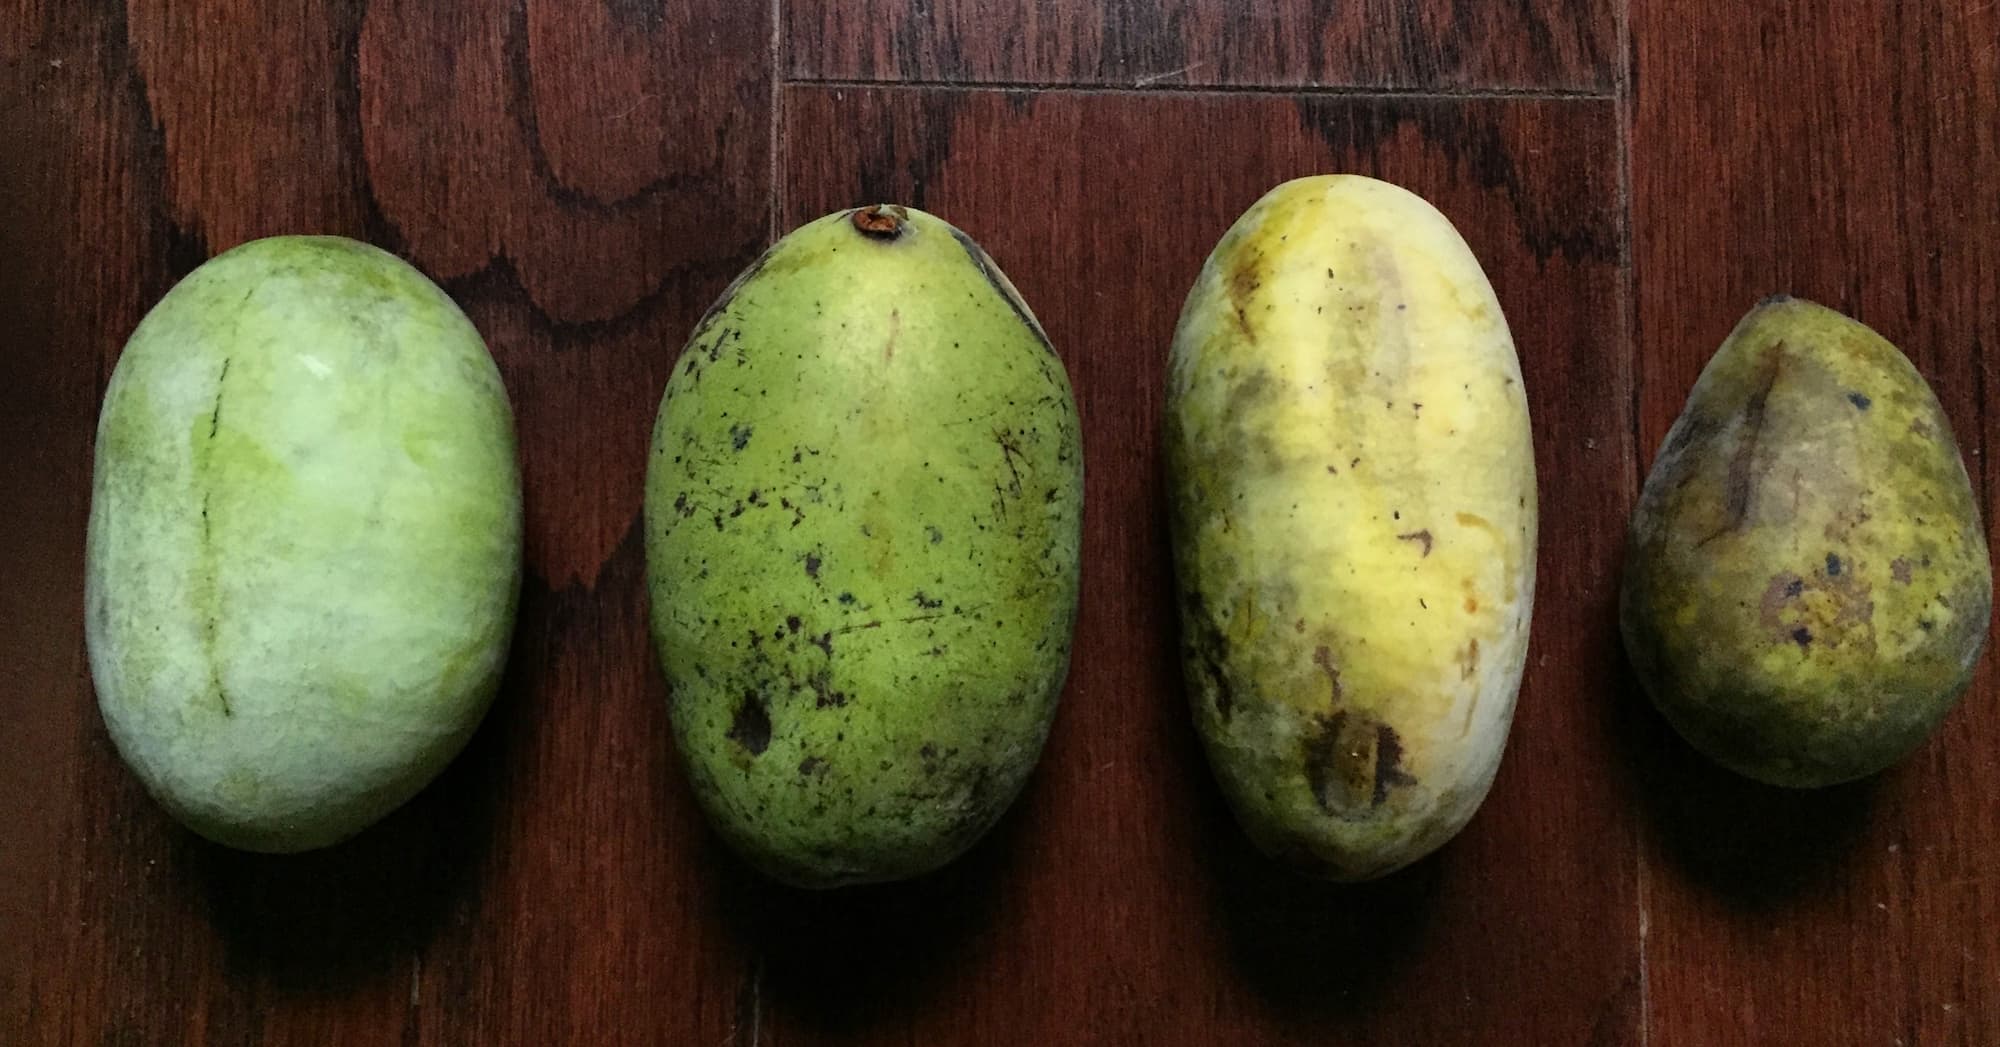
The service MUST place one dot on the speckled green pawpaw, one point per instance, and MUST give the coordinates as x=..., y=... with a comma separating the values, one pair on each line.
x=305, y=541
x=1354, y=519
x=1807, y=586
x=863, y=515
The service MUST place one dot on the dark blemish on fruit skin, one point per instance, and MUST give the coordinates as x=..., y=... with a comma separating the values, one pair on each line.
x=1468, y=661
x=935, y=535
x=1423, y=536
x=1833, y=566
x=1388, y=763
x=926, y=602
x=1324, y=772
x=751, y=726
x=739, y=436
x=792, y=622
x=1859, y=400
x=1207, y=643
x=1740, y=485
x=824, y=642
x=846, y=598
x=812, y=566
x=824, y=696
x=1899, y=569
x=1803, y=637
x=1225, y=699
x=1352, y=761
x=1323, y=657
x=1782, y=588
x=810, y=766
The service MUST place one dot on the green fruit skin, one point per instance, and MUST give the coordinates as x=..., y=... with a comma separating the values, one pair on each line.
x=305, y=541
x=863, y=516
x=1807, y=587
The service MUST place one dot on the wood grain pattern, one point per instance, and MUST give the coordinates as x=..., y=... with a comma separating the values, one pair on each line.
x=585, y=177
x=1428, y=45
x=584, y=182
x=1123, y=906
x=1854, y=167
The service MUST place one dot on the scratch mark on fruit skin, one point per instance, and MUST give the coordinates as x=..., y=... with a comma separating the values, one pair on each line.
x=1739, y=488
x=895, y=329
x=1423, y=536
x=208, y=596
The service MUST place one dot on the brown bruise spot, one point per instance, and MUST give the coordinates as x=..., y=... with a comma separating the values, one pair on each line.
x=1478, y=521
x=1389, y=771
x=751, y=726
x=1323, y=657
x=1899, y=569
x=1783, y=588
x=1352, y=763
x=1833, y=607
x=1468, y=660
x=1244, y=280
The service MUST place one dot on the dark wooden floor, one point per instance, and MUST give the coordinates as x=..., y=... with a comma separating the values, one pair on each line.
x=585, y=177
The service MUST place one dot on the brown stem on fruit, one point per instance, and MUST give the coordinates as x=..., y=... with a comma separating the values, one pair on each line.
x=881, y=221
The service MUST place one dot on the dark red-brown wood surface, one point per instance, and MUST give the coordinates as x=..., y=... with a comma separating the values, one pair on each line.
x=585, y=177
